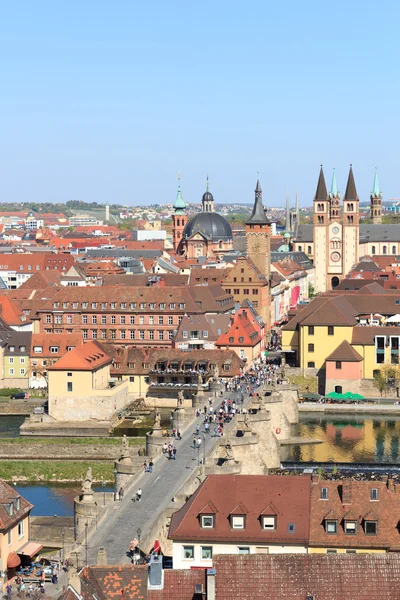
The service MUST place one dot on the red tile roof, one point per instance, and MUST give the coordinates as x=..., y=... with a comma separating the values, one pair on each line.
x=299, y=576
x=86, y=357
x=62, y=341
x=9, y=495
x=355, y=496
x=242, y=331
x=345, y=353
x=123, y=582
x=289, y=495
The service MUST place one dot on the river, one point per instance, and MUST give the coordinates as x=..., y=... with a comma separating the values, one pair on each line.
x=346, y=439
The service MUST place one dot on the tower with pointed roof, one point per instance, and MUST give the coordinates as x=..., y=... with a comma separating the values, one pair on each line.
x=376, y=202
x=321, y=222
x=334, y=197
x=351, y=214
x=207, y=201
x=179, y=218
x=258, y=248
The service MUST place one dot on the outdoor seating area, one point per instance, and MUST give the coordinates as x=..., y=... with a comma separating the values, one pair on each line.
x=42, y=571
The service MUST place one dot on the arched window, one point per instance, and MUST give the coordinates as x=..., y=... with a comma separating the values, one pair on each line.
x=384, y=249
x=300, y=248
x=335, y=282
x=309, y=250
x=373, y=250
x=178, y=222
x=321, y=220
x=394, y=250
x=350, y=218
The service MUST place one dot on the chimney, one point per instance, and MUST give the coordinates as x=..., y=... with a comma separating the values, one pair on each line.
x=314, y=478
x=390, y=485
x=211, y=584
x=346, y=492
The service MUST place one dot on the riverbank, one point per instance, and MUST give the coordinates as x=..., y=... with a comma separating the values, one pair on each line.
x=19, y=408
x=349, y=409
x=55, y=471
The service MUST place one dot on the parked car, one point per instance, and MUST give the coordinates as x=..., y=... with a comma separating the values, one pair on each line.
x=18, y=396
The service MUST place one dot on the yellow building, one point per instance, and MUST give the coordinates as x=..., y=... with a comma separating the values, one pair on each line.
x=81, y=388
x=14, y=531
x=345, y=338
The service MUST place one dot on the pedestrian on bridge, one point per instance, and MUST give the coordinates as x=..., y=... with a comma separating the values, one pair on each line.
x=174, y=453
x=197, y=429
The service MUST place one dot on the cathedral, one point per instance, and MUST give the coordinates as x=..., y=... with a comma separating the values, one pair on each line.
x=336, y=241
x=207, y=234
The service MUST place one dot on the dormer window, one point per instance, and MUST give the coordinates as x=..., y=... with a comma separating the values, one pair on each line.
x=370, y=527
x=207, y=521
x=350, y=527
x=269, y=522
x=331, y=526
x=374, y=494
x=237, y=521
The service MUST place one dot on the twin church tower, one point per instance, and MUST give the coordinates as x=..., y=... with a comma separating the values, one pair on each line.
x=336, y=232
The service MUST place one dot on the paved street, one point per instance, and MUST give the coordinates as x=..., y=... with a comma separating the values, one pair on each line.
x=158, y=489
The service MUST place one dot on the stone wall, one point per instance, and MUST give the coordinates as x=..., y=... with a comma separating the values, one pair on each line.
x=98, y=405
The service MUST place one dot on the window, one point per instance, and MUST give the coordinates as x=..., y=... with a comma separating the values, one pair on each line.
x=151, y=335
x=11, y=360
x=103, y=305
x=207, y=521
x=94, y=304
x=131, y=379
x=69, y=374
x=54, y=349
x=84, y=305
x=374, y=494
x=113, y=319
x=123, y=305
x=11, y=371
x=122, y=320
x=237, y=522
x=152, y=305
x=48, y=319
x=113, y=334
x=160, y=335
x=21, y=529
x=141, y=320
x=246, y=292
x=103, y=320
x=324, y=493
x=331, y=330
x=161, y=320
x=331, y=551
x=22, y=371
x=172, y=306
x=311, y=330
x=84, y=319
x=311, y=347
x=69, y=386
x=350, y=527
x=243, y=550
x=132, y=319
x=373, y=250
x=162, y=305
x=188, y=552
x=141, y=335
x=231, y=340
x=85, y=334
x=123, y=334
x=269, y=522
x=331, y=527
x=69, y=319
x=206, y=553
x=394, y=350
x=236, y=291
x=338, y=364
x=113, y=305
x=371, y=527
x=22, y=360
x=170, y=320
x=291, y=528
x=132, y=334
x=380, y=342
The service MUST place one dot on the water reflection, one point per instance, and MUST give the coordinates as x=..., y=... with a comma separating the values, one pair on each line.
x=9, y=426
x=346, y=439
x=53, y=499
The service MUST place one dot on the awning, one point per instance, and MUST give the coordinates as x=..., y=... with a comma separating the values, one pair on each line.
x=13, y=560
x=30, y=549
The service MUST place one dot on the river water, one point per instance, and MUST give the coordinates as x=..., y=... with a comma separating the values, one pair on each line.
x=347, y=439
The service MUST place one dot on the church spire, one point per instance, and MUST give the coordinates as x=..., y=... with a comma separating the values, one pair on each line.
x=288, y=225
x=375, y=190
x=351, y=192
x=258, y=216
x=321, y=193
x=179, y=204
x=334, y=188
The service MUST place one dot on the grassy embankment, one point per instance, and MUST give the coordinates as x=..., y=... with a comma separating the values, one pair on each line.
x=59, y=470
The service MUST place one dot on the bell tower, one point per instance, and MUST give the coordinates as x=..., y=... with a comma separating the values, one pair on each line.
x=350, y=224
x=258, y=249
x=376, y=202
x=321, y=222
x=179, y=218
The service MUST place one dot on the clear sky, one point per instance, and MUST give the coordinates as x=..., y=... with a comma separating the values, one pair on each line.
x=107, y=100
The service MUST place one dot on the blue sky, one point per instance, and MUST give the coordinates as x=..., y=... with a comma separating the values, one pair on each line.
x=106, y=101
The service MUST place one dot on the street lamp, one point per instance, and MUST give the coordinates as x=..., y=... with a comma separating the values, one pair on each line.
x=63, y=543
x=204, y=449
x=139, y=533
x=86, y=542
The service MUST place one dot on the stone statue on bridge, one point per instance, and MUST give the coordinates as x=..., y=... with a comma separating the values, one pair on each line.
x=246, y=423
x=229, y=452
x=124, y=447
x=87, y=482
x=180, y=399
x=157, y=420
x=216, y=373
